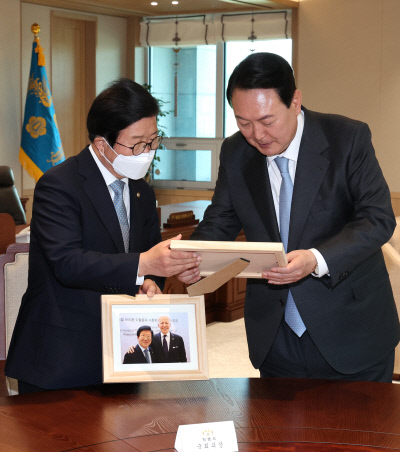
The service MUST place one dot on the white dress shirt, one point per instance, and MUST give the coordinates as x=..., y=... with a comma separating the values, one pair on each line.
x=292, y=153
x=109, y=179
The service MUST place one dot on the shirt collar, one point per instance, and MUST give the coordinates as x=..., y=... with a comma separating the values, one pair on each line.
x=108, y=177
x=292, y=152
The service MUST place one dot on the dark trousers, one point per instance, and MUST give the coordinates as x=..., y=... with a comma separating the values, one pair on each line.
x=26, y=388
x=294, y=357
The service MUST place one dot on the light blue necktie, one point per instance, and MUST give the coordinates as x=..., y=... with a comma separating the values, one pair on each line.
x=146, y=355
x=292, y=316
x=118, y=189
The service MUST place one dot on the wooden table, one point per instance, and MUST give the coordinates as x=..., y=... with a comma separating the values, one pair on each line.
x=269, y=415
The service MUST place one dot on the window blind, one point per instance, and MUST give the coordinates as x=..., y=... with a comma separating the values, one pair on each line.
x=210, y=28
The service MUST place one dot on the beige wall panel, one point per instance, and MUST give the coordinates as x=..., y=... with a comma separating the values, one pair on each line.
x=10, y=86
x=111, y=55
x=396, y=203
x=387, y=131
x=348, y=52
x=338, y=41
x=68, y=81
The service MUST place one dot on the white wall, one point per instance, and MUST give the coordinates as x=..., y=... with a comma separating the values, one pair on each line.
x=10, y=86
x=111, y=53
x=349, y=63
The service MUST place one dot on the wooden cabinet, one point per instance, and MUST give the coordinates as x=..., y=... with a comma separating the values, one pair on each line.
x=227, y=303
x=167, y=197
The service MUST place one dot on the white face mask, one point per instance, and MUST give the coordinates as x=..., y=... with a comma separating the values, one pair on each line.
x=131, y=166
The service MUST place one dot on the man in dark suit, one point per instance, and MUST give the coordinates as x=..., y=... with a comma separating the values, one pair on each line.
x=143, y=353
x=319, y=171
x=94, y=230
x=169, y=347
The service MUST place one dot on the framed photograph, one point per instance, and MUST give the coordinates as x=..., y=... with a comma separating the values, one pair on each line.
x=153, y=339
x=216, y=255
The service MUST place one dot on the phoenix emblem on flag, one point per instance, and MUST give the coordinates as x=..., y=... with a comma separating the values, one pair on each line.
x=40, y=90
x=56, y=157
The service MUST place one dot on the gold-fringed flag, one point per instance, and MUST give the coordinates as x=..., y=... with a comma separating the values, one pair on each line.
x=41, y=146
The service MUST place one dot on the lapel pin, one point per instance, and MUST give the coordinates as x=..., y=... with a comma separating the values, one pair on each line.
x=138, y=195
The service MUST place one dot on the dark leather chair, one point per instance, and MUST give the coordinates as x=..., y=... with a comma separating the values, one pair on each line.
x=9, y=199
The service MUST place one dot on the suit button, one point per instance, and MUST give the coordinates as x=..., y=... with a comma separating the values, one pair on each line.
x=281, y=302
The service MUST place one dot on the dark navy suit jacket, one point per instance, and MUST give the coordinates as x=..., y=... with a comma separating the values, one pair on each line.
x=176, y=351
x=138, y=356
x=341, y=206
x=76, y=255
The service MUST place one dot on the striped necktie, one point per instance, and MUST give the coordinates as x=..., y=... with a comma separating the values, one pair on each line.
x=292, y=315
x=146, y=355
x=118, y=189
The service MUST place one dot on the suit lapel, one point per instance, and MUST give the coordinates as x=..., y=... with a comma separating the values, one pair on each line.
x=310, y=172
x=96, y=189
x=257, y=179
x=171, y=344
x=135, y=214
x=142, y=357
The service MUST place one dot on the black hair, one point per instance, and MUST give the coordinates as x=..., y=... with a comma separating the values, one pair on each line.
x=263, y=70
x=121, y=104
x=144, y=328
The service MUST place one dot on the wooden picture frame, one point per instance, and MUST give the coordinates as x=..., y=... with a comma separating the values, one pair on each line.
x=216, y=255
x=122, y=315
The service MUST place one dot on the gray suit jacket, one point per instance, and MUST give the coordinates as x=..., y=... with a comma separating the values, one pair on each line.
x=341, y=206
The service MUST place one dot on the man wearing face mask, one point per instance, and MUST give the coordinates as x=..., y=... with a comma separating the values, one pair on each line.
x=94, y=230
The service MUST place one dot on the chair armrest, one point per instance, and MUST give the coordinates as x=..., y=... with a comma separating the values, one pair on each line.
x=392, y=260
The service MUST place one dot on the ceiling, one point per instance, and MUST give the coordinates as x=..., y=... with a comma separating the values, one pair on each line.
x=165, y=7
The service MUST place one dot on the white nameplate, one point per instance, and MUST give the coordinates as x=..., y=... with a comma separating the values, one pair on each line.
x=214, y=436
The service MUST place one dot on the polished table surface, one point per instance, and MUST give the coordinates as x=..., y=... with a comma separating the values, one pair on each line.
x=269, y=415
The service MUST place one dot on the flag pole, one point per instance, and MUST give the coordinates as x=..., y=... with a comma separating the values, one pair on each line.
x=35, y=28
x=41, y=146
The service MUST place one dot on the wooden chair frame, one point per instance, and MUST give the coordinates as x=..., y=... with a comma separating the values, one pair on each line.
x=8, y=257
